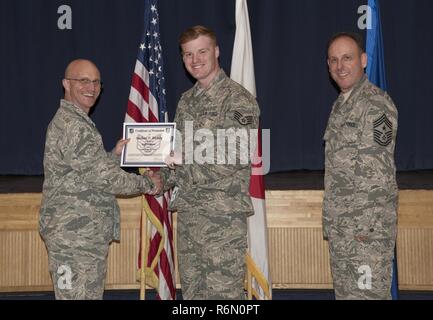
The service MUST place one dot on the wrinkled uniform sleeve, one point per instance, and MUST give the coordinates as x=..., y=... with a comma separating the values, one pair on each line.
x=113, y=157
x=169, y=176
x=85, y=152
x=376, y=189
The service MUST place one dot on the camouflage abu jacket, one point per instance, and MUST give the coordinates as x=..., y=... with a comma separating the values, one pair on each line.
x=222, y=181
x=360, y=181
x=81, y=179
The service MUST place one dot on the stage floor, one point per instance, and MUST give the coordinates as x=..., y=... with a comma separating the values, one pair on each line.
x=292, y=180
x=277, y=294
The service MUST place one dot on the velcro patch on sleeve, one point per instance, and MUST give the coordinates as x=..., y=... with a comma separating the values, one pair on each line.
x=242, y=119
x=382, y=130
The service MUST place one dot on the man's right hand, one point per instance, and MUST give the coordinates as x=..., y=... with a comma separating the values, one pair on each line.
x=157, y=182
x=174, y=159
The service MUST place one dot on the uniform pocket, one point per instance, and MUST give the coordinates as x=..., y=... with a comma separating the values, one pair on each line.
x=350, y=131
x=208, y=119
x=383, y=222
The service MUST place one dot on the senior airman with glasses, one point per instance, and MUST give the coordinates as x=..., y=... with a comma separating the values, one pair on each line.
x=79, y=214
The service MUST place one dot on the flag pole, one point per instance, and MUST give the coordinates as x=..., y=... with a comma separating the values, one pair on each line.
x=155, y=226
x=376, y=74
x=144, y=249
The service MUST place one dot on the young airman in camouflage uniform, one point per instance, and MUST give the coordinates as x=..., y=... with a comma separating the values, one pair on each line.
x=212, y=198
x=360, y=204
x=79, y=214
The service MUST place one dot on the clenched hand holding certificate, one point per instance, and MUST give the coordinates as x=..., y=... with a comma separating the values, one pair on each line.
x=149, y=145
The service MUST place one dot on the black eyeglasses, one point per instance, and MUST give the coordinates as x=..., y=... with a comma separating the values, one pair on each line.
x=87, y=81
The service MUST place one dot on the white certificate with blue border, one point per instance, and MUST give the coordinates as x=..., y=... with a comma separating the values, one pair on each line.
x=150, y=144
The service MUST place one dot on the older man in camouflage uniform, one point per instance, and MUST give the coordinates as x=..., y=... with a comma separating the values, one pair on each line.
x=212, y=198
x=360, y=204
x=79, y=213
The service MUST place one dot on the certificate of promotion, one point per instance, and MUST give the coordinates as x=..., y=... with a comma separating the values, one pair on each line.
x=149, y=145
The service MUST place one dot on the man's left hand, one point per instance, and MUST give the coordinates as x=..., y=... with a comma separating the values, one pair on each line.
x=119, y=146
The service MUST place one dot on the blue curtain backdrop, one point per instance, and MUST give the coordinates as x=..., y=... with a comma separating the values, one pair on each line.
x=289, y=42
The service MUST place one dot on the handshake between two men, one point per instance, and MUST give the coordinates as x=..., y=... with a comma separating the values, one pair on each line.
x=172, y=160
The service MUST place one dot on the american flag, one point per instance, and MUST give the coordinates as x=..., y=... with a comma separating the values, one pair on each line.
x=147, y=104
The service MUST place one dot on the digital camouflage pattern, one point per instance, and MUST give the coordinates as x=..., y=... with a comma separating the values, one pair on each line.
x=361, y=194
x=79, y=213
x=211, y=253
x=78, y=268
x=212, y=199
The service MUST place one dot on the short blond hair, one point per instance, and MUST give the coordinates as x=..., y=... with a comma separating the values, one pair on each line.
x=195, y=32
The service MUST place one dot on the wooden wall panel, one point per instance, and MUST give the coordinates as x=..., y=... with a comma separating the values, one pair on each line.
x=122, y=259
x=298, y=255
x=24, y=261
x=415, y=209
x=123, y=255
x=294, y=209
x=37, y=258
x=299, y=258
x=415, y=258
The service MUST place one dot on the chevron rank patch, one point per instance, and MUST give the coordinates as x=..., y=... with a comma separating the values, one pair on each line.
x=382, y=131
x=243, y=120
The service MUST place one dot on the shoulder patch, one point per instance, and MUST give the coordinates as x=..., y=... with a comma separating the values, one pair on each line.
x=243, y=120
x=382, y=128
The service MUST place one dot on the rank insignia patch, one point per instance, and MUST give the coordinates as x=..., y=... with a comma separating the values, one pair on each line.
x=243, y=120
x=382, y=128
